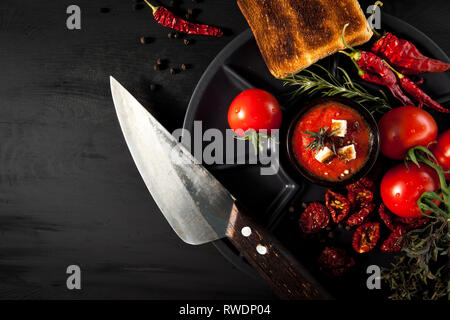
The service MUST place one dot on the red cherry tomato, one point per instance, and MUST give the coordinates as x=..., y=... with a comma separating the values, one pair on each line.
x=254, y=109
x=441, y=151
x=403, y=128
x=401, y=187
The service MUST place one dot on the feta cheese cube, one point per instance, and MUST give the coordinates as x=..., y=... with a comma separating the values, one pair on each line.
x=324, y=155
x=340, y=125
x=347, y=153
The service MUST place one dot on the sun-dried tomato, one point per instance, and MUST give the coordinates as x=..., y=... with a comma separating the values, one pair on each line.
x=338, y=205
x=363, y=183
x=361, y=216
x=387, y=217
x=314, y=218
x=366, y=237
x=335, y=261
x=393, y=222
x=359, y=198
x=394, y=243
x=411, y=223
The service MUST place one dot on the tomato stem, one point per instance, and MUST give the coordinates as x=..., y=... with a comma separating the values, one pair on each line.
x=421, y=154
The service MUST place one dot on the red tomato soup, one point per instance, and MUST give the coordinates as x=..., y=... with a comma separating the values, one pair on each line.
x=356, y=139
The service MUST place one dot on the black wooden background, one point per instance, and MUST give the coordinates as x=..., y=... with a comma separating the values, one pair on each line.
x=69, y=190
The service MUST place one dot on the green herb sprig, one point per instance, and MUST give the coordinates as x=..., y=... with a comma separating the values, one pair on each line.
x=312, y=83
x=320, y=139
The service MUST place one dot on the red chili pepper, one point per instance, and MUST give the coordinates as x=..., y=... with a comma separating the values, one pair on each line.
x=314, y=218
x=169, y=20
x=405, y=56
x=366, y=237
x=338, y=205
x=335, y=261
x=361, y=216
x=373, y=69
x=411, y=88
x=394, y=243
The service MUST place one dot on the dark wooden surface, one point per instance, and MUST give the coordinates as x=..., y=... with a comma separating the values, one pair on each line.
x=69, y=190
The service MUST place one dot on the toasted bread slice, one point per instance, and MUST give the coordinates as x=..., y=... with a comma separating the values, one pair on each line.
x=293, y=34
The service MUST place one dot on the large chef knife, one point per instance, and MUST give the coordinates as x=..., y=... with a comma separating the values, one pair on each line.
x=198, y=207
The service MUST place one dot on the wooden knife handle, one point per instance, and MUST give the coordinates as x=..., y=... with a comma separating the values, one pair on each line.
x=287, y=277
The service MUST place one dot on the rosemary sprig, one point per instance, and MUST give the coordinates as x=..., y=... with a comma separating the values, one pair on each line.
x=423, y=271
x=320, y=138
x=312, y=83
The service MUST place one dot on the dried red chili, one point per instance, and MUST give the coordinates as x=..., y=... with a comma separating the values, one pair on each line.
x=373, y=69
x=366, y=237
x=338, y=205
x=394, y=243
x=169, y=20
x=314, y=218
x=405, y=56
x=413, y=89
x=335, y=261
x=361, y=216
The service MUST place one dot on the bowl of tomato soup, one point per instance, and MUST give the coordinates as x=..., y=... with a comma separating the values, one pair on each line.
x=333, y=141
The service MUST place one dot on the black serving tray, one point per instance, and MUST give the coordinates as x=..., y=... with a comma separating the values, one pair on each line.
x=277, y=199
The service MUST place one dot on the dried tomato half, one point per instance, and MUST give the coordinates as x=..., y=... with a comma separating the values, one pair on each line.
x=338, y=205
x=360, y=216
x=363, y=183
x=335, y=261
x=314, y=218
x=393, y=222
x=360, y=197
x=411, y=223
x=387, y=217
x=366, y=237
x=394, y=243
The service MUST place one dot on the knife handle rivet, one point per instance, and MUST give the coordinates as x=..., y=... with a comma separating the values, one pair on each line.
x=262, y=250
x=246, y=231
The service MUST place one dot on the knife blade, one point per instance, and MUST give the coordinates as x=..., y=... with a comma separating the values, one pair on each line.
x=194, y=203
x=198, y=207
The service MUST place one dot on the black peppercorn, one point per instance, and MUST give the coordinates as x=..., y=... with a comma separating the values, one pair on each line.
x=160, y=62
x=186, y=42
x=145, y=40
x=156, y=67
x=173, y=71
x=184, y=67
x=170, y=35
x=176, y=35
x=153, y=87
